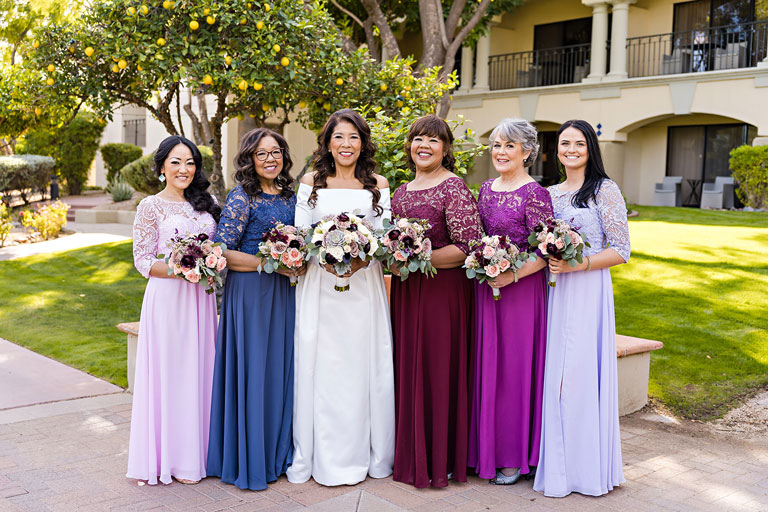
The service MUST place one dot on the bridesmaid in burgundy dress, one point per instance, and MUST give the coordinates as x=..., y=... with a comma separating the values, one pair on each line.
x=432, y=317
x=511, y=333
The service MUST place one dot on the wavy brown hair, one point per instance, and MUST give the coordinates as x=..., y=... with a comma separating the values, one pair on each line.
x=322, y=158
x=432, y=126
x=245, y=169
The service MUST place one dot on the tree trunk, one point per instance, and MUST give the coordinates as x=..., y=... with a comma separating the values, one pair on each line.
x=217, y=173
x=388, y=40
x=431, y=21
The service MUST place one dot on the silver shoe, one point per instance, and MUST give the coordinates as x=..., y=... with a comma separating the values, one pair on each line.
x=502, y=479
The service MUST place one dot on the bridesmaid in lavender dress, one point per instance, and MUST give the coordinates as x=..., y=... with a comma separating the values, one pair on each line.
x=177, y=334
x=432, y=317
x=505, y=426
x=581, y=446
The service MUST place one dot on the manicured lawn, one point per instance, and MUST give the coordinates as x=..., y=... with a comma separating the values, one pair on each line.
x=66, y=305
x=698, y=281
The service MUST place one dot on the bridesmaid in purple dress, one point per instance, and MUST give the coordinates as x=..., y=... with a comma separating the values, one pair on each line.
x=581, y=445
x=432, y=317
x=177, y=335
x=510, y=333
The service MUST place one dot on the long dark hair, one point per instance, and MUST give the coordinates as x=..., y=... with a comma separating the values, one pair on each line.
x=431, y=126
x=322, y=158
x=245, y=172
x=197, y=192
x=594, y=174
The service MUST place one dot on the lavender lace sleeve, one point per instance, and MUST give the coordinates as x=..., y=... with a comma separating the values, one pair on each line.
x=146, y=235
x=234, y=218
x=612, y=211
x=462, y=215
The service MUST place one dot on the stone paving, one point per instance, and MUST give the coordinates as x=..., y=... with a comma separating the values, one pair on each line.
x=74, y=457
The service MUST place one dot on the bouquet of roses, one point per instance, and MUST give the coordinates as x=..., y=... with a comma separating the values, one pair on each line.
x=555, y=238
x=492, y=255
x=283, y=246
x=196, y=259
x=337, y=239
x=404, y=243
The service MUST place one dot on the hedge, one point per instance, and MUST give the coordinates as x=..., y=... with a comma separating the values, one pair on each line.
x=25, y=173
x=118, y=155
x=749, y=167
x=141, y=176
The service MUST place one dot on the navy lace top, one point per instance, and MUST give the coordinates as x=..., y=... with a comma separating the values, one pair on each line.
x=244, y=219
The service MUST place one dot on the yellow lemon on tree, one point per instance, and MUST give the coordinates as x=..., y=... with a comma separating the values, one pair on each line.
x=160, y=41
x=383, y=87
x=407, y=87
x=49, y=81
x=122, y=64
x=38, y=111
x=206, y=11
x=144, y=9
x=243, y=85
x=276, y=48
x=259, y=24
x=240, y=117
x=285, y=61
x=115, y=69
x=194, y=25
x=207, y=80
x=302, y=104
x=243, y=21
x=168, y=4
x=399, y=104
x=138, y=66
x=89, y=51
x=257, y=86
x=249, y=5
x=51, y=68
x=36, y=44
x=267, y=7
x=131, y=11
x=210, y=20
x=71, y=49
x=339, y=81
x=227, y=60
x=327, y=106
x=266, y=107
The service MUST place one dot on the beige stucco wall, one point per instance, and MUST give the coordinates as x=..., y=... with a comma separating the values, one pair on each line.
x=649, y=17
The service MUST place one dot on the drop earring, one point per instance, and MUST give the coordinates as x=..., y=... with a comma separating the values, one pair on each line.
x=161, y=178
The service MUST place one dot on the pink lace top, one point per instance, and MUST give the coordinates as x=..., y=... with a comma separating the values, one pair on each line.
x=157, y=221
x=449, y=207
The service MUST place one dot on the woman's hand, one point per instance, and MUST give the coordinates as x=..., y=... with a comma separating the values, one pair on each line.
x=503, y=279
x=394, y=268
x=562, y=266
x=292, y=272
x=356, y=264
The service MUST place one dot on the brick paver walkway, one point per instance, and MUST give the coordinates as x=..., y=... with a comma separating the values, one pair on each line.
x=73, y=457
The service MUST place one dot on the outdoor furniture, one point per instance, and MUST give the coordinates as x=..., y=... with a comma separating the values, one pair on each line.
x=719, y=194
x=734, y=55
x=668, y=192
x=694, y=198
x=678, y=62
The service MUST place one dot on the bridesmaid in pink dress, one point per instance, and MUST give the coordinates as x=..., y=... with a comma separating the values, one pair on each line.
x=177, y=335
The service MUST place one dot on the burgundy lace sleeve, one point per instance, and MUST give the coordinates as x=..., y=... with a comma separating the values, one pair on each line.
x=462, y=215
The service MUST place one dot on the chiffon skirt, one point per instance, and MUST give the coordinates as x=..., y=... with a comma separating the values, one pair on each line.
x=252, y=402
x=172, y=385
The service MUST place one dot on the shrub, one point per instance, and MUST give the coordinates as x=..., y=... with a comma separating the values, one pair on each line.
x=25, y=173
x=6, y=223
x=141, y=176
x=120, y=191
x=48, y=220
x=749, y=167
x=116, y=156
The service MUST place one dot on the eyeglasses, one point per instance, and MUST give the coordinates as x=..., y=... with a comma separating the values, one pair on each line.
x=262, y=156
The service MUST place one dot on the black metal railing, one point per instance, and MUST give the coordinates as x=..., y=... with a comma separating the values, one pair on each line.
x=693, y=51
x=553, y=66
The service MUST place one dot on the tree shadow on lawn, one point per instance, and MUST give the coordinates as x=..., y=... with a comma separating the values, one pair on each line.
x=684, y=215
x=716, y=345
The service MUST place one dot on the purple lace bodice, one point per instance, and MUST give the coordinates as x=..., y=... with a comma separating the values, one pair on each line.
x=449, y=207
x=513, y=213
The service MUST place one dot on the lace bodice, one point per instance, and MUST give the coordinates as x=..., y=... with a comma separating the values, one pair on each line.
x=602, y=224
x=513, y=213
x=245, y=219
x=157, y=221
x=449, y=207
x=332, y=201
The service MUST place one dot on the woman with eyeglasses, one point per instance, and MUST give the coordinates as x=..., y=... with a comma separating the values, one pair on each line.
x=250, y=441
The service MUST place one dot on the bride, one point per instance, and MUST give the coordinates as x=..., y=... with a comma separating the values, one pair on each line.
x=343, y=414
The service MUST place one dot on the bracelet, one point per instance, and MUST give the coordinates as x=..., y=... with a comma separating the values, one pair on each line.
x=589, y=264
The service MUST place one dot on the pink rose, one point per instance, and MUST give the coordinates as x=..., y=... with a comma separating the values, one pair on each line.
x=285, y=259
x=399, y=256
x=401, y=223
x=504, y=265
x=210, y=261
x=217, y=251
x=295, y=254
x=576, y=239
x=289, y=230
x=426, y=246
x=550, y=239
x=192, y=276
x=543, y=248
x=221, y=264
x=492, y=271
x=559, y=243
x=416, y=248
x=488, y=251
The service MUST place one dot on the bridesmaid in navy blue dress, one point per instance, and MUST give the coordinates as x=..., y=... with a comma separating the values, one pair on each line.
x=250, y=440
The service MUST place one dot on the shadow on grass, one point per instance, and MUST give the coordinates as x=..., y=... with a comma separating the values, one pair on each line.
x=695, y=216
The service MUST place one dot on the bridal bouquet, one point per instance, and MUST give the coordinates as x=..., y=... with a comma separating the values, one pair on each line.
x=196, y=259
x=336, y=240
x=404, y=243
x=283, y=246
x=492, y=255
x=555, y=238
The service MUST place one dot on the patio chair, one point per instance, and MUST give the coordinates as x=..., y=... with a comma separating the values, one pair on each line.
x=718, y=195
x=669, y=192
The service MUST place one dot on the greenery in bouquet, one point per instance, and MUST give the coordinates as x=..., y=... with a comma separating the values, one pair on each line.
x=283, y=246
x=404, y=244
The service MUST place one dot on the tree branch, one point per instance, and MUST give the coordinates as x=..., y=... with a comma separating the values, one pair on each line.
x=466, y=29
x=441, y=22
x=348, y=13
x=178, y=109
x=454, y=16
x=388, y=40
x=370, y=38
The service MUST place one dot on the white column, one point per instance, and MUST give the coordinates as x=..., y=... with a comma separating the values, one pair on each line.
x=482, y=67
x=619, y=40
x=467, y=68
x=598, y=50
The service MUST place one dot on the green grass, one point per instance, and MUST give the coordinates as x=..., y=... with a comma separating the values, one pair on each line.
x=697, y=281
x=66, y=305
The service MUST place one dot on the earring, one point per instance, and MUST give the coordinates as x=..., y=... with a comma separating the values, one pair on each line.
x=161, y=178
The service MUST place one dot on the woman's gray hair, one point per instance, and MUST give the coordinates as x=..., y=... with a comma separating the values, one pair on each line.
x=518, y=130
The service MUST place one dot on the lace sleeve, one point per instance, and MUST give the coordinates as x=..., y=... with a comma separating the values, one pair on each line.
x=462, y=215
x=303, y=210
x=145, y=236
x=538, y=207
x=613, y=218
x=234, y=218
x=384, y=202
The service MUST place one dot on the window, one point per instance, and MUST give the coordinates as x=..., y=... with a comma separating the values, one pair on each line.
x=135, y=132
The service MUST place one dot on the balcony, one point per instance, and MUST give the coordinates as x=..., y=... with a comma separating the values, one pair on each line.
x=695, y=51
x=553, y=66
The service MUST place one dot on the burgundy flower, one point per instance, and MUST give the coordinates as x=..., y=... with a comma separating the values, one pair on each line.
x=407, y=241
x=202, y=237
x=294, y=244
x=394, y=234
x=352, y=227
x=187, y=261
x=552, y=249
x=330, y=259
